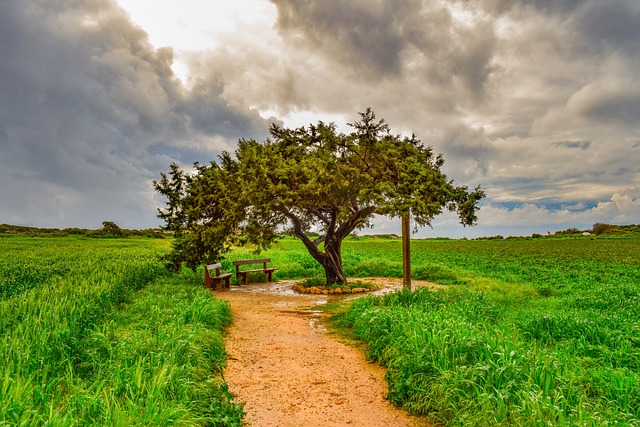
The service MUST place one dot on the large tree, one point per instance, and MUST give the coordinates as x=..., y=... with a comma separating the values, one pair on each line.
x=312, y=180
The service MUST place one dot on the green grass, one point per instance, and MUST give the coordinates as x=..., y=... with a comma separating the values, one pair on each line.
x=97, y=333
x=531, y=332
x=545, y=264
x=540, y=332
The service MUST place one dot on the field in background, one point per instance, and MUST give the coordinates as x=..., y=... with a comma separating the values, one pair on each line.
x=546, y=266
x=95, y=332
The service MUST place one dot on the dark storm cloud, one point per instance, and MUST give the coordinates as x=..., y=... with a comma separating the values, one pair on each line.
x=83, y=95
x=548, y=7
x=210, y=113
x=612, y=24
x=386, y=39
x=364, y=33
x=582, y=145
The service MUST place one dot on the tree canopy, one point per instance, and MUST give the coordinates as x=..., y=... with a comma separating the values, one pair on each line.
x=308, y=179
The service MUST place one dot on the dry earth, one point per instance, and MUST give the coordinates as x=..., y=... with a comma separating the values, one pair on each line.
x=288, y=370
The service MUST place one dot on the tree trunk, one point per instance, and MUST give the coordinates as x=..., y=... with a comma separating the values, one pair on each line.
x=406, y=252
x=331, y=258
x=333, y=271
x=332, y=262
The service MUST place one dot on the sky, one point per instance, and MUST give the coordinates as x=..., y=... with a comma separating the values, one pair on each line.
x=538, y=101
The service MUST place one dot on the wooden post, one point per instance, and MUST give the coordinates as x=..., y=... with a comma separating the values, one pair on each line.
x=406, y=252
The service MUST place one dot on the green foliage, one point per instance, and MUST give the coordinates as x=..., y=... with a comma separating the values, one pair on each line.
x=109, y=229
x=311, y=282
x=158, y=361
x=96, y=332
x=304, y=179
x=573, y=231
x=601, y=229
x=202, y=212
x=528, y=332
x=319, y=282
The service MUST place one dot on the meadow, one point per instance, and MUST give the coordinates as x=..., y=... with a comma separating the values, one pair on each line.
x=96, y=332
x=526, y=332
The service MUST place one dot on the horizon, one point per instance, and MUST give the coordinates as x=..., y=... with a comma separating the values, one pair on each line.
x=571, y=231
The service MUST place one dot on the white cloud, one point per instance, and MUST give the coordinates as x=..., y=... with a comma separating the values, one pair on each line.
x=621, y=208
x=199, y=25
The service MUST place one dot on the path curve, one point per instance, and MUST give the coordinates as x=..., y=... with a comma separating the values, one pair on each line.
x=288, y=370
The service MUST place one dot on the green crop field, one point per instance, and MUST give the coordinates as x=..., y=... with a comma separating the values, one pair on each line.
x=526, y=332
x=95, y=332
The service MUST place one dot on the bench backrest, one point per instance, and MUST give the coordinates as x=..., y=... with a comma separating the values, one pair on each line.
x=215, y=267
x=252, y=261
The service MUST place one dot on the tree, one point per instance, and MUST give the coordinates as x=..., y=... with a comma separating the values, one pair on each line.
x=312, y=179
x=110, y=228
x=200, y=213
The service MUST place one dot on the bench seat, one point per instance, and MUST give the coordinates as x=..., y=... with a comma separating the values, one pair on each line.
x=259, y=270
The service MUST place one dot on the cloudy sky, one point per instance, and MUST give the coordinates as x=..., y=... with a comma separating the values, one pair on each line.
x=536, y=100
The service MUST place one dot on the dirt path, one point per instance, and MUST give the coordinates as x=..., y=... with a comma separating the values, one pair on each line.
x=289, y=371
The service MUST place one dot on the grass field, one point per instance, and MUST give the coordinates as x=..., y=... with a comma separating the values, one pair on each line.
x=527, y=332
x=95, y=332
x=530, y=332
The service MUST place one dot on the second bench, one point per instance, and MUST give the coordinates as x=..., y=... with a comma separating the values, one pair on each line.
x=245, y=273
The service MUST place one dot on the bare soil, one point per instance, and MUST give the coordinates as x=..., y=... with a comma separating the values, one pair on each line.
x=289, y=370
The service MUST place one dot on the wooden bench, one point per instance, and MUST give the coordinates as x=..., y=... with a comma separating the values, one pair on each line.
x=213, y=276
x=245, y=273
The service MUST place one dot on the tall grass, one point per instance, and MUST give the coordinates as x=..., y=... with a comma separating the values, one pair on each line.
x=540, y=333
x=157, y=362
x=95, y=332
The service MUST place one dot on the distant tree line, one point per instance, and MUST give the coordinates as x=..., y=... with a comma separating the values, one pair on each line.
x=604, y=229
x=109, y=229
x=598, y=229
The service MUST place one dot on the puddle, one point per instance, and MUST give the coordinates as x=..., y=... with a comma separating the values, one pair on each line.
x=284, y=288
x=315, y=316
x=316, y=325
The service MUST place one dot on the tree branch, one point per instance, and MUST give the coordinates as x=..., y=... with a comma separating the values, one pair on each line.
x=319, y=240
x=311, y=246
x=320, y=216
x=331, y=227
x=354, y=221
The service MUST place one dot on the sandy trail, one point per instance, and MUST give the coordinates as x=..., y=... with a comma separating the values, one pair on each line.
x=289, y=371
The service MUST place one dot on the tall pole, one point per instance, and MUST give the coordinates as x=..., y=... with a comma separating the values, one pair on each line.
x=406, y=253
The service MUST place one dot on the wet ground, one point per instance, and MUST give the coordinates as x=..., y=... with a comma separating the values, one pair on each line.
x=289, y=370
